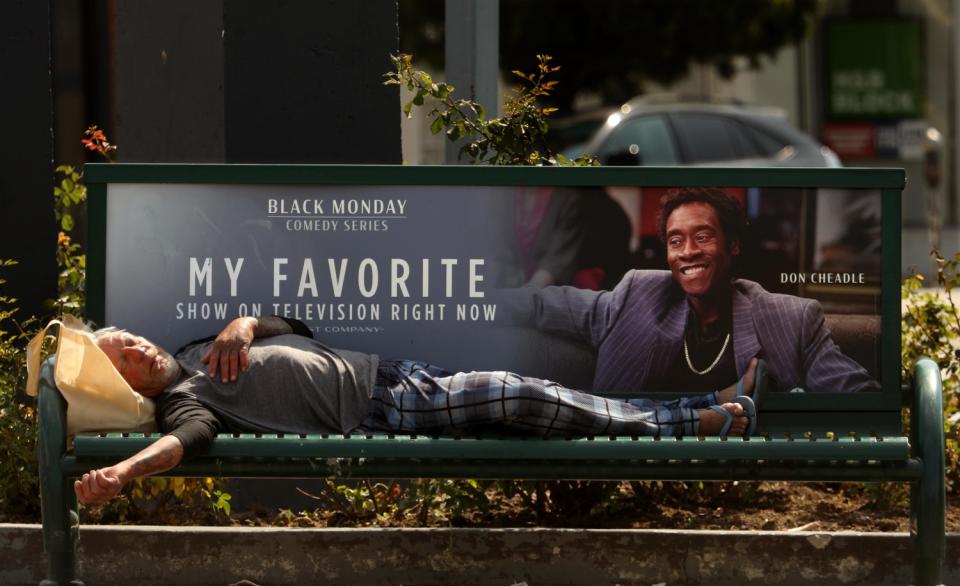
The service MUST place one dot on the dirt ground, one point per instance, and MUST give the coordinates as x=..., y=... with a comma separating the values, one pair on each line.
x=779, y=506
x=741, y=506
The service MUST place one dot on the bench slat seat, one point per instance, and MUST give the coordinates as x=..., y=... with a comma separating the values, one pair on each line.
x=614, y=470
x=486, y=448
x=555, y=459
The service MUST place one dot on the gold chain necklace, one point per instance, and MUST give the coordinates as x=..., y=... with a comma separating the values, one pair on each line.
x=716, y=361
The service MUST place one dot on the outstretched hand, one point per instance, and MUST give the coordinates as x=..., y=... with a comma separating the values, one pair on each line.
x=228, y=354
x=98, y=486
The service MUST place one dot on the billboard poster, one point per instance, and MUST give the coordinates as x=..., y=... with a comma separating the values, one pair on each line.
x=470, y=277
x=874, y=69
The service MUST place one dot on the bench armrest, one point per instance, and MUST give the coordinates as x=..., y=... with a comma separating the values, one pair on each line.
x=927, y=439
x=52, y=412
x=927, y=409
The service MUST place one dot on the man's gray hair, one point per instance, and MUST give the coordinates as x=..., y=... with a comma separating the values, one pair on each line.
x=97, y=334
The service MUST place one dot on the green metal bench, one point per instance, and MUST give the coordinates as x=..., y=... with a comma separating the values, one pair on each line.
x=805, y=437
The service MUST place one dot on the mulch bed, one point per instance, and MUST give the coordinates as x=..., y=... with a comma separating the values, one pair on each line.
x=778, y=506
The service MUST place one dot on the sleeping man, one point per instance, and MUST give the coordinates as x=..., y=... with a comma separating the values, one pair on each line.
x=269, y=375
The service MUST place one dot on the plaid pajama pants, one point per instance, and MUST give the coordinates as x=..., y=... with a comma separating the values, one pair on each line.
x=416, y=397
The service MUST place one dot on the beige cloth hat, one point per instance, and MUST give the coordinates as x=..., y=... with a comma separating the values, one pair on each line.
x=98, y=399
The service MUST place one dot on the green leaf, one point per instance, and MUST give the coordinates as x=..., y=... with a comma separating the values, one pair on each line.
x=66, y=222
x=437, y=125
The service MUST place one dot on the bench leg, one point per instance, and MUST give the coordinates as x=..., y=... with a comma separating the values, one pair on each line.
x=60, y=531
x=58, y=502
x=927, y=536
x=928, y=495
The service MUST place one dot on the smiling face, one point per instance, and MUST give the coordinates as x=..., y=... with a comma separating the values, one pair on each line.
x=697, y=249
x=146, y=367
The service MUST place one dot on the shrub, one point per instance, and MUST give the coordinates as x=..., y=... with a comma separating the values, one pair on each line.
x=19, y=481
x=152, y=499
x=516, y=138
x=931, y=328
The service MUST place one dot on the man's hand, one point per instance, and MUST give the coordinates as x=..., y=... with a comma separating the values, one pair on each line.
x=98, y=486
x=228, y=354
x=229, y=350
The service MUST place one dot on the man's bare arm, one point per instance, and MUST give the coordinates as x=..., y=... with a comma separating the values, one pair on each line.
x=99, y=486
x=228, y=354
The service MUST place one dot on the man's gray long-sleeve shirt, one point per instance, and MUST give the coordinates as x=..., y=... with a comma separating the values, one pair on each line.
x=293, y=384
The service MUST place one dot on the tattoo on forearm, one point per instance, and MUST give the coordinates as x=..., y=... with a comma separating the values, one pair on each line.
x=159, y=461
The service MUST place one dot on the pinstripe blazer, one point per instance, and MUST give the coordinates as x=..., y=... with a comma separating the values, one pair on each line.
x=637, y=331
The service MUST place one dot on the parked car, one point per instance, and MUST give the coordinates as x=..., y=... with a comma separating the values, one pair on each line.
x=670, y=130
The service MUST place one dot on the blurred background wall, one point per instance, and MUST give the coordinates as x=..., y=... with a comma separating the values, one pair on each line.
x=300, y=81
x=889, y=67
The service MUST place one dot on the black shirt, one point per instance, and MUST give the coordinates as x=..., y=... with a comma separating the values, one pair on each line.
x=704, y=347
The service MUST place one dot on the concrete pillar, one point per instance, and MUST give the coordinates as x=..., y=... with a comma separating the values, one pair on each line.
x=304, y=81
x=952, y=190
x=167, y=85
x=255, y=82
x=473, y=55
x=27, y=227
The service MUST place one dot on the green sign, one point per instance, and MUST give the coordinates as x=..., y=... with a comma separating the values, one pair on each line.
x=874, y=69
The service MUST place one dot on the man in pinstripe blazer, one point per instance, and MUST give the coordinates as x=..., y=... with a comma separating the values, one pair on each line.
x=694, y=327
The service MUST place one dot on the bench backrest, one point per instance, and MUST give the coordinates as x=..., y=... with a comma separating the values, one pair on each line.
x=401, y=261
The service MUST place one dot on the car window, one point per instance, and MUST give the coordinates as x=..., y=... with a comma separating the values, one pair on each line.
x=648, y=137
x=743, y=144
x=707, y=137
x=766, y=143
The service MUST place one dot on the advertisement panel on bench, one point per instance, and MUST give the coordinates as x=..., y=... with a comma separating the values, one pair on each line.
x=465, y=276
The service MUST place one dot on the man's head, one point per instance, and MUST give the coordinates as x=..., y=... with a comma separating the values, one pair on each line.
x=146, y=367
x=701, y=229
